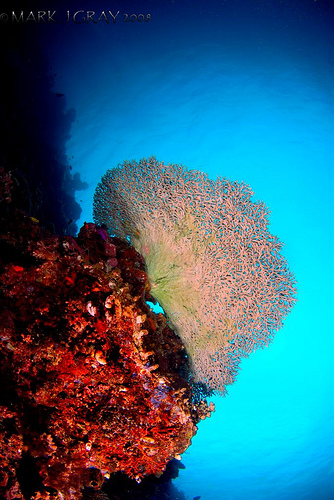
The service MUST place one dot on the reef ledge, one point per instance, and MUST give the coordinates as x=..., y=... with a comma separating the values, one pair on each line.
x=94, y=382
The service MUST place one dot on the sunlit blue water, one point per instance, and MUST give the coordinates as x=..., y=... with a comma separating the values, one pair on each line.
x=241, y=90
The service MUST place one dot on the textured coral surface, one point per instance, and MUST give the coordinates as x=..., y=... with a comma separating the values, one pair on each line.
x=212, y=263
x=90, y=376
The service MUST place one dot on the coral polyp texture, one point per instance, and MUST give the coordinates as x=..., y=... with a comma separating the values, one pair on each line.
x=90, y=376
x=211, y=261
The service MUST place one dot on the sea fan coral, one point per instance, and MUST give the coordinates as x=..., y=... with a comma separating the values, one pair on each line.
x=211, y=261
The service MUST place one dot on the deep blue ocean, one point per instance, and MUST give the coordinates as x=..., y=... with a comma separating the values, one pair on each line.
x=241, y=89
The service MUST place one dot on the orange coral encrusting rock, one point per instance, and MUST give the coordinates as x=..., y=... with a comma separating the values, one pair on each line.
x=91, y=375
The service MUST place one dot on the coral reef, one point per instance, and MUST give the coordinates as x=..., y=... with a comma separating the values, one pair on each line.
x=91, y=377
x=211, y=261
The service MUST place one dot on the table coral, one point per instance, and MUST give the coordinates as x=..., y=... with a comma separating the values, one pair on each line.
x=212, y=263
x=91, y=375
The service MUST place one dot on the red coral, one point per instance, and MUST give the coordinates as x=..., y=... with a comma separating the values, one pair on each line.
x=91, y=374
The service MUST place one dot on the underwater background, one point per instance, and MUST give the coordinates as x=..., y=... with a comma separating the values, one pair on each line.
x=243, y=90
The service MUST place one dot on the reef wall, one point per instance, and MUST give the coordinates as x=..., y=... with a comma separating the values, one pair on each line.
x=94, y=382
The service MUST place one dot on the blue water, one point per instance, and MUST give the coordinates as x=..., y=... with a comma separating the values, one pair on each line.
x=241, y=89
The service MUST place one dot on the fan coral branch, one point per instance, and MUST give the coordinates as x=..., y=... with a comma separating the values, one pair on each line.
x=211, y=261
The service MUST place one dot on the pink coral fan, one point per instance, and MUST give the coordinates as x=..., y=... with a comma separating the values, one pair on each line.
x=211, y=261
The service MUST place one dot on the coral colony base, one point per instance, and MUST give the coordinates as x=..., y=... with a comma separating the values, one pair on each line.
x=211, y=261
x=91, y=381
